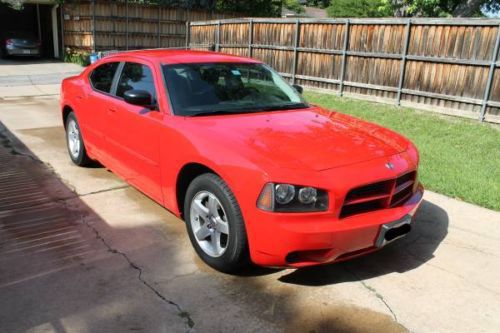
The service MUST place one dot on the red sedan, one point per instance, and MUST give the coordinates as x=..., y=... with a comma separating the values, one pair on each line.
x=257, y=173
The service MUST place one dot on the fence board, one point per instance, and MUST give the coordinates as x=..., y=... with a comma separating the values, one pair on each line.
x=120, y=25
x=322, y=36
x=445, y=66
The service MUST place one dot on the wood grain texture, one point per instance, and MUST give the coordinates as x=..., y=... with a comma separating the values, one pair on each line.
x=495, y=87
x=239, y=51
x=319, y=65
x=282, y=61
x=114, y=31
x=376, y=38
x=376, y=69
x=234, y=34
x=273, y=34
x=459, y=42
x=322, y=36
x=453, y=80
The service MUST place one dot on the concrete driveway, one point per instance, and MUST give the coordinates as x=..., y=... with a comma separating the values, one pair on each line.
x=33, y=77
x=82, y=251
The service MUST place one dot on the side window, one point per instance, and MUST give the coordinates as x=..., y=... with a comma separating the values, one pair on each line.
x=102, y=77
x=136, y=76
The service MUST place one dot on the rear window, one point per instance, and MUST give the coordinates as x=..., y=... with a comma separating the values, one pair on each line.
x=102, y=77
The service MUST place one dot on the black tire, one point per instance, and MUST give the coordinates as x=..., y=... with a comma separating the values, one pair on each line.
x=236, y=256
x=81, y=159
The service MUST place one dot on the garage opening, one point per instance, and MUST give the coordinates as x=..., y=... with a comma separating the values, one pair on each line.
x=37, y=21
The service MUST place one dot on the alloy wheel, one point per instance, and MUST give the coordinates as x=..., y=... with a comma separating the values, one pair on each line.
x=209, y=223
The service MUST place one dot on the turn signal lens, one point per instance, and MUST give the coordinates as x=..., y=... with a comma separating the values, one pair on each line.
x=266, y=198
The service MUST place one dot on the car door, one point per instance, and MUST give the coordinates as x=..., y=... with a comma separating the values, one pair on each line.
x=133, y=132
x=94, y=106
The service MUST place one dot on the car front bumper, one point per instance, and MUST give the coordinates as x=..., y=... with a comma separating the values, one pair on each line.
x=308, y=239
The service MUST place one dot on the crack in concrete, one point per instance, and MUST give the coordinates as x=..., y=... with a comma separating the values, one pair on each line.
x=181, y=312
x=377, y=294
x=120, y=187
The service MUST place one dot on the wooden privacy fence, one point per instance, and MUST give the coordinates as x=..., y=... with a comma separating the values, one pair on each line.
x=125, y=25
x=445, y=65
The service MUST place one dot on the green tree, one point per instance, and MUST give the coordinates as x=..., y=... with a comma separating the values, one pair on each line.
x=359, y=8
x=251, y=8
x=442, y=8
x=318, y=3
x=293, y=5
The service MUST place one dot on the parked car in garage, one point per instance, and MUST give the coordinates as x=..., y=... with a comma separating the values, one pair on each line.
x=257, y=173
x=20, y=44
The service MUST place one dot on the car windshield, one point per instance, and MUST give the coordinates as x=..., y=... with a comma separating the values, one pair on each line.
x=216, y=88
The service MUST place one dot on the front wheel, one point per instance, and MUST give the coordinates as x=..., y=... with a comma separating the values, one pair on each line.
x=74, y=141
x=215, y=224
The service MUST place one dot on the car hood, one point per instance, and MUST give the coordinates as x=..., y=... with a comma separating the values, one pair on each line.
x=313, y=138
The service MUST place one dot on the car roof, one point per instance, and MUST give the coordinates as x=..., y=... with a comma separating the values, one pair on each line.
x=166, y=56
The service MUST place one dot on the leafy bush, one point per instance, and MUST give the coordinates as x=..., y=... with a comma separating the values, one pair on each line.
x=77, y=56
x=293, y=5
x=359, y=8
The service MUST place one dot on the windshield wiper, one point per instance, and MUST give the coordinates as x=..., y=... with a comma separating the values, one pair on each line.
x=250, y=110
x=219, y=112
x=285, y=107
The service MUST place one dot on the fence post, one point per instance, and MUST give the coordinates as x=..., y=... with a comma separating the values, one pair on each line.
x=188, y=32
x=250, y=37
x=403, y=61
x=217, y=37
x=61, y=14
x=344, y=56
x=489, y=83
x=113, y=8
x=93, y=27
x=159, y=25
x=295, y=52
x=126, y=25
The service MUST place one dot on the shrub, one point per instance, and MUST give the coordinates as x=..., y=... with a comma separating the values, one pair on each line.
x=77, y=56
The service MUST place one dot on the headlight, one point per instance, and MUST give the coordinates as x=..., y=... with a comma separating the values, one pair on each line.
x=292, y=198
x=284, y=193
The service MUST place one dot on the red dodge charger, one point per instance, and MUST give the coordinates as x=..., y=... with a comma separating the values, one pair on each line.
x=257, y=173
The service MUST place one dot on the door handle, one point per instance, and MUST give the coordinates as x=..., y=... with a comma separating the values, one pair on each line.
x=112, y=110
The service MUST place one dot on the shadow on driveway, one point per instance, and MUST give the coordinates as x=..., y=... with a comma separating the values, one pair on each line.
x=429, y=230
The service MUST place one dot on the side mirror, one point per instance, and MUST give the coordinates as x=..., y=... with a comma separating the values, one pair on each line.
x=138, y=97
x=299, y=89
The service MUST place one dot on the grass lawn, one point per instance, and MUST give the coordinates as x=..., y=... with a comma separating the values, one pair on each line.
x=458, y=157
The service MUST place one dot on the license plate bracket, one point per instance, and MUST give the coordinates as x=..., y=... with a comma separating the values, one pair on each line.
x=391, y=231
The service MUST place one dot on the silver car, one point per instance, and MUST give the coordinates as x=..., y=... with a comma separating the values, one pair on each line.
x=21, y=45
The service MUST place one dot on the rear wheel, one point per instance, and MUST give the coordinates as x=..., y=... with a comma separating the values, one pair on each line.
x=215, y=224
x=74, y=141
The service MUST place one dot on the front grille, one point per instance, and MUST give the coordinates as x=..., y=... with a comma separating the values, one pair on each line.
x=386, y=194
